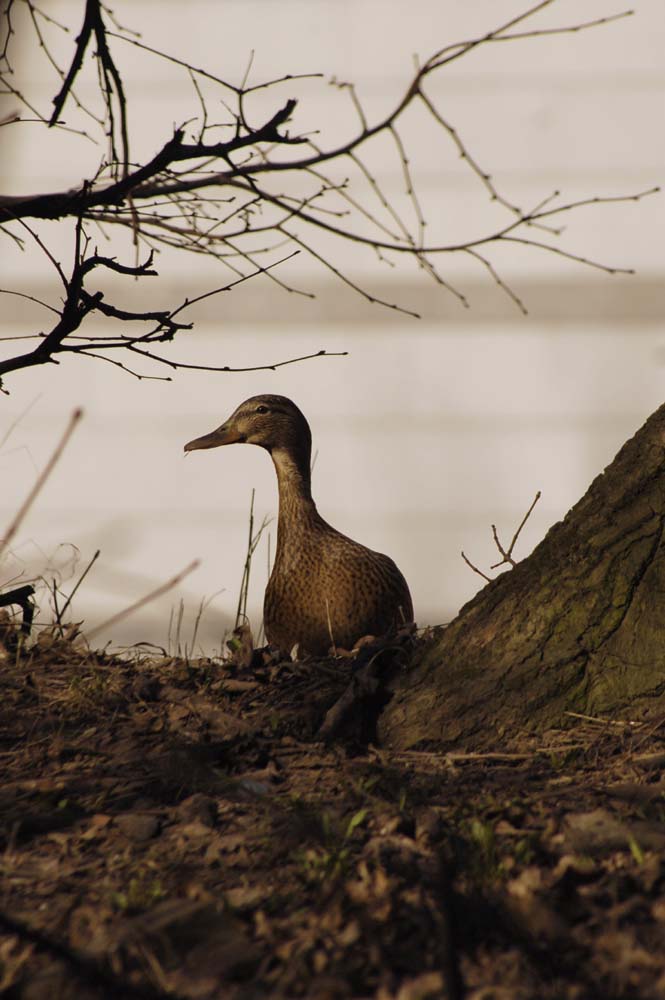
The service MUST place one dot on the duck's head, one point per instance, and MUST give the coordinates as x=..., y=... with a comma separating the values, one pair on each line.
x=272, y=422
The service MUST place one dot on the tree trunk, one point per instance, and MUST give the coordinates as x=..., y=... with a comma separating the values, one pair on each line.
x=578, y=625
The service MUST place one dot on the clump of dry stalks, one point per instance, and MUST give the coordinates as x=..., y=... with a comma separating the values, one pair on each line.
x=57, y=633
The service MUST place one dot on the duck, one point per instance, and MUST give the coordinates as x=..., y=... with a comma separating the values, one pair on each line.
x=326, y=591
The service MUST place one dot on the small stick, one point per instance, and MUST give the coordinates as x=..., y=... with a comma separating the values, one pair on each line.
x=252, y=542
x=460, y=757
x=649, y=733
x=507, y=557
x=80, y=581
x=41, y=479
x=163, y=589
x=603, y=722
x=330, y=631
x=455, y=757
x=247, y=569
x=524, y=520
x=649, y=759
x=475, y=569
x=54, y=588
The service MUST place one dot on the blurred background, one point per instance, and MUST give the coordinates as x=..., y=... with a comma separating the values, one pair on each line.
x=429, y=430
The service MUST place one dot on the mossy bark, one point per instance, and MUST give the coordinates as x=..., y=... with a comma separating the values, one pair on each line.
x=578, y=625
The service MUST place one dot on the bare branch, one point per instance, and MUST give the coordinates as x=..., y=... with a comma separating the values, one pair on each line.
x=35, y=14
x=84, y=352
x=80, y=202
x=212, y=188
x=205, y=74
x=227, y=368
x=79, y=303
x=30, y=298
x=506, y=554
x=374, y=300
x=475, y=568
x=498, y=279
x=93, y=25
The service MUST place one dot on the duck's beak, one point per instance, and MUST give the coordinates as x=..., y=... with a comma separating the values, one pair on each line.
x=226, y=434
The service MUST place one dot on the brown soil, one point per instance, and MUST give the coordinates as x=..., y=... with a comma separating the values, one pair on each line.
x=175, y=828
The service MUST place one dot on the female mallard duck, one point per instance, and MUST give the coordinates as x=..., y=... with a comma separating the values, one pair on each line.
x=325, y=589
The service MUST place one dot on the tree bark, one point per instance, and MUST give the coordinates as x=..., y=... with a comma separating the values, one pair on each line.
x=578, y=625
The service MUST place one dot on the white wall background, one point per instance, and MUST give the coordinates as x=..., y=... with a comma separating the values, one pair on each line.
x=428, y=431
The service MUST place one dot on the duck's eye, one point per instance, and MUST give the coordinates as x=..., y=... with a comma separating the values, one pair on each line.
x=261, y=409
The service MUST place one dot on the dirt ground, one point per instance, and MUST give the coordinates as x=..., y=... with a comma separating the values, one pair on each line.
x=179, y=829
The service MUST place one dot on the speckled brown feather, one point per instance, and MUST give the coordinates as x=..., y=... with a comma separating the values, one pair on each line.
x=325, y=589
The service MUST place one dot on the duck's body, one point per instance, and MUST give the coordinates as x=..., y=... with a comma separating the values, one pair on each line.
x=325, y=590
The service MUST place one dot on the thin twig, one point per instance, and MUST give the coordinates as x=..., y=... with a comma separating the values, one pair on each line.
x=507, y=556
x=153, y=595
x=41, y=479
x=79, y=582
x=475, y=568
x=489, y=267
x=252, y=542
x=31, y=298
x=241, y=611
x=622, y=723
x=227, y=368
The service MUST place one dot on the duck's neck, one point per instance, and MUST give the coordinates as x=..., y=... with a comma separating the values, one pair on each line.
x=296, y=507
